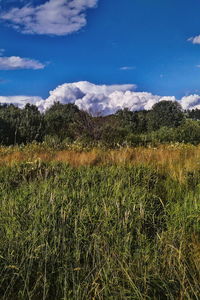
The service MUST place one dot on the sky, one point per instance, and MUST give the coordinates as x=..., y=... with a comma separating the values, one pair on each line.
x=102, y=55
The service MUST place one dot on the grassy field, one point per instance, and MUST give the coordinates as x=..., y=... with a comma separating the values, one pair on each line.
x=96, y=224
x=174, y=159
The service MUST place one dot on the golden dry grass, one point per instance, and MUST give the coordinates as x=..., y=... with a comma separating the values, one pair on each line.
x=176, y=159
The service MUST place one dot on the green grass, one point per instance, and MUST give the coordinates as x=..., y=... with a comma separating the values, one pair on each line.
x=102, y=232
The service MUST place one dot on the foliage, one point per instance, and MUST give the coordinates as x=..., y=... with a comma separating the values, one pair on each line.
x=66, y=121
x=165, y=114
x=31, y=126
x=189, y=131
x=193, y=114
x=66, y=124
x=10, y=119
x=20, y=125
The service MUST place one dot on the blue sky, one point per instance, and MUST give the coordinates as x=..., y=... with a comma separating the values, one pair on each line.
x=140, y=42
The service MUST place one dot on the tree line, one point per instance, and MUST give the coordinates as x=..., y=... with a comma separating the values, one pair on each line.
x=165, y=122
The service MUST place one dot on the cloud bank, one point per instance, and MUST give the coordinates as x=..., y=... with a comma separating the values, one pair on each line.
x=54, y=17
x=100, y=99
x=96, y=99
x=20, y=101
x=16, y=62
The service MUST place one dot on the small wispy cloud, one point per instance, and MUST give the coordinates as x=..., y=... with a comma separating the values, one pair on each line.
x=195, y=39
x=54, y=17
x=16, y=63
x=127, y=68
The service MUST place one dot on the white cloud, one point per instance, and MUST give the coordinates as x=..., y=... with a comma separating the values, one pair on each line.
x=54, y=17
x=20, y=101
x=101, y=99
x=87, y=96
x=195, y=40
x=190, y=102
x=127, y=68
x=88, y=87
x=16, y=62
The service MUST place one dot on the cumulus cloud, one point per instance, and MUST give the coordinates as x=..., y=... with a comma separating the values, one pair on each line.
x=16, y=62
x=93, y=98
x=20, y=101
x=101, y=99
x=190, y=102
x=195, y=39
x=54, y=17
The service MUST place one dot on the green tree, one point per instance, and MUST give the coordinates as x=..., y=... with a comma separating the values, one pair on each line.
x=31, y=125
x=165, y=113
x=66, y=121
x=10, y=116
x=189, y=132
x=193, y=114
x=133, y=122
x=5, y=131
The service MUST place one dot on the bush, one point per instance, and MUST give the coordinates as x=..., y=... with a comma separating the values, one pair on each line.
x=189, y=132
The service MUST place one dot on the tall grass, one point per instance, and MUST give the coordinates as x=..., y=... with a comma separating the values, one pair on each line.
x=98, y=232
x=176, y=159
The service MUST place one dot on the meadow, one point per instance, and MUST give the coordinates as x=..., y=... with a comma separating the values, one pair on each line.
x=100, y=223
